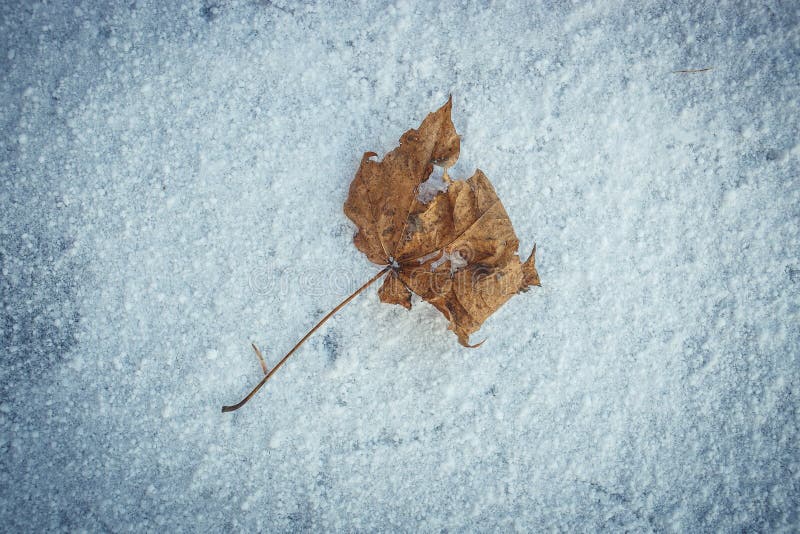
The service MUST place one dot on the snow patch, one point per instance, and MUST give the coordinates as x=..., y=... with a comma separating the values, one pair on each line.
x=457, y=262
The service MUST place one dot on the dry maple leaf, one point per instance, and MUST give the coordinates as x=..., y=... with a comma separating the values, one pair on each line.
x=457, y=251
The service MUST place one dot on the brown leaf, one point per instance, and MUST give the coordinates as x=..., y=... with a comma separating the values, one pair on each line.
x=458, y=251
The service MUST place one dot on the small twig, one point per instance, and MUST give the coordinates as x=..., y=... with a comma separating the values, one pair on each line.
x=260, y=358
x=691, y=71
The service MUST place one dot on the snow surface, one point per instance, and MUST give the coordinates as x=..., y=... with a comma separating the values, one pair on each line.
x=173, y=176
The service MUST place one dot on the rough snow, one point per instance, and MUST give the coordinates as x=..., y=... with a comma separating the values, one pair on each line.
x=173, y=176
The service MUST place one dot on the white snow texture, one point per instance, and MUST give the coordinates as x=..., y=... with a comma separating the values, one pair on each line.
x=173, y=175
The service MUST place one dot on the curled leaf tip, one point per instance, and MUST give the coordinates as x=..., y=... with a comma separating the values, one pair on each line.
x=476, y=345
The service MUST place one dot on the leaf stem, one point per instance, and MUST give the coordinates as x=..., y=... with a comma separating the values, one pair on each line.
x=316, y=327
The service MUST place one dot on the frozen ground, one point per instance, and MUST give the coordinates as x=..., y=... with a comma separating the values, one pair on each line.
x=172, y=189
